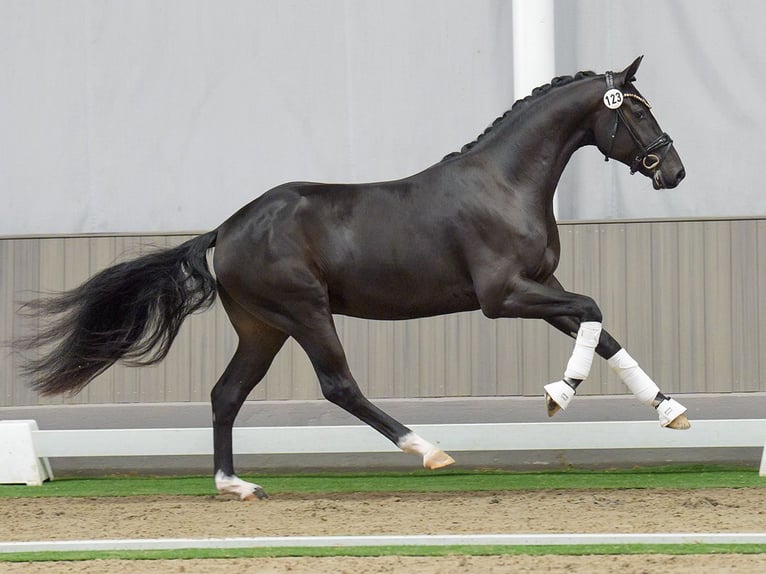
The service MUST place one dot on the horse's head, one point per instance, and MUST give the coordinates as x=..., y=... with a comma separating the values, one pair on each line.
x=625, y=130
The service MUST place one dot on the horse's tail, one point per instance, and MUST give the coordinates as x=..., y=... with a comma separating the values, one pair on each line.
x=131, y=311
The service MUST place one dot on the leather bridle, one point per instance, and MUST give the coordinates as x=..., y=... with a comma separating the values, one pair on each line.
x=646, y=156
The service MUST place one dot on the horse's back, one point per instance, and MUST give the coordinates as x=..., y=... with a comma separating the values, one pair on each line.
x=378, y=250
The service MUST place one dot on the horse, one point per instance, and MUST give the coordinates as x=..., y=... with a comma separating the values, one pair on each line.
x=474, y=231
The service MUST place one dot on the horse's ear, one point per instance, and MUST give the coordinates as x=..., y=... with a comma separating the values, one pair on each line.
x=629, y=73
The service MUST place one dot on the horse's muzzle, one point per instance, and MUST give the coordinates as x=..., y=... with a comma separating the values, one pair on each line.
x=660, y=181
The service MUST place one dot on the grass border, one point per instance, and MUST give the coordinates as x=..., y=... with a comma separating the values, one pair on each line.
x=372, y=551
x=666, y=477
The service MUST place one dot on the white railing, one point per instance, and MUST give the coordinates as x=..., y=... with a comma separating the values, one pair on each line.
x=25, y=448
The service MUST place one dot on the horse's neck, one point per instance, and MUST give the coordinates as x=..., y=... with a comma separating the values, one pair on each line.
x=534, y=145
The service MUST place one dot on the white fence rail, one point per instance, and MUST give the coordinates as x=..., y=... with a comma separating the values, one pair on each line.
x=25, y=449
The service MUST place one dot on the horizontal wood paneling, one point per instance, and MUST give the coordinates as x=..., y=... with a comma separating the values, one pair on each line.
x=684, y=297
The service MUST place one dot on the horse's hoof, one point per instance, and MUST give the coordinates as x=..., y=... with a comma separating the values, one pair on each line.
x=551, y=405
x=558, y=395
x=437, y=459
x=672, y=414
x=680, y=423
x=257, y=494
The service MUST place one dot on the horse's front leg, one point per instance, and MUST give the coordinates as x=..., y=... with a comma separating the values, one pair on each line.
x=671, y=413
x=519, y=296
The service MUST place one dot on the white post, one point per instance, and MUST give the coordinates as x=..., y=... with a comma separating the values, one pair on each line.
x=534, y=49
x=19, y=463
x=534, y=58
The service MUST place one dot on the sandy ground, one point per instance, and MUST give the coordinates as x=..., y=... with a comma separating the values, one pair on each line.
x=713, y=510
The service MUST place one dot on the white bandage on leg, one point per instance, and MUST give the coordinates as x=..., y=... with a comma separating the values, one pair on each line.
x=581, y=360
x=669, y=410
x=634, y=377
x=561, y=393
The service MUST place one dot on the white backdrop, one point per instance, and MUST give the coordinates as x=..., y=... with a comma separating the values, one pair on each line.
x=157, y=116
x=704, y=71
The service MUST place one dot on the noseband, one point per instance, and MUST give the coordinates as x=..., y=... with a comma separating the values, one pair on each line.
x=646, y=155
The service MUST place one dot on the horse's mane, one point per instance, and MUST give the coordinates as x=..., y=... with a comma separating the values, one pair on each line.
x=519, y=104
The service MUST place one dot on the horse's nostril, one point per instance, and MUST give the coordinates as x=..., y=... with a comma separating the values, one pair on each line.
x=681, y=174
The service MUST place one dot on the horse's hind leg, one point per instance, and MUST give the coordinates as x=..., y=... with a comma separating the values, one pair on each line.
x=321, y=343
x=671, y=413
x=258, y=344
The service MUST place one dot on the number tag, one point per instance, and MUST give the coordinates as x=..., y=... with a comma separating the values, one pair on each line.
x=613, y=99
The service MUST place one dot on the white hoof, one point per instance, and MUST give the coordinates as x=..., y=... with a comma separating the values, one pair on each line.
x=558, y=395
x=671, y=414
x=241, y=488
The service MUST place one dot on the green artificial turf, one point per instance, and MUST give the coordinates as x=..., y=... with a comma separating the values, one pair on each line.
x=672, y=477
x=367, y=551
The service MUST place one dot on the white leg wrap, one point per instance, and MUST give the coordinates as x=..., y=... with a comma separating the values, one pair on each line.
x=579, y=363
x=561, y=393
x=634, y=377
x=669, y=410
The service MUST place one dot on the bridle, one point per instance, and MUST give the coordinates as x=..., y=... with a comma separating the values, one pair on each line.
x=646, y=156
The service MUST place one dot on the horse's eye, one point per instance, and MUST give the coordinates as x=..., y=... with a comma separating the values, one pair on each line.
x=639, y=114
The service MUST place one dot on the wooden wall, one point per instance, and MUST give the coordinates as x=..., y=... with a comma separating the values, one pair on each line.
x=686, y=298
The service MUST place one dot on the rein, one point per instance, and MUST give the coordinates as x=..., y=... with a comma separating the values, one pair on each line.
x=645, y=157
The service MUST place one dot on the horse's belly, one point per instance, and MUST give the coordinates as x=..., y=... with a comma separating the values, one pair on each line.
x=394, y=300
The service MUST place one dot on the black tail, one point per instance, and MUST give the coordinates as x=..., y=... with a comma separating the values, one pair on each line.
x=131, y=312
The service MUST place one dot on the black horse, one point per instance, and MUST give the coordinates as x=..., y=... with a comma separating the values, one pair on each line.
x=474, y=231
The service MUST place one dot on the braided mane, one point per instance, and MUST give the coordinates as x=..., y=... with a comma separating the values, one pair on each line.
x=520, y=104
